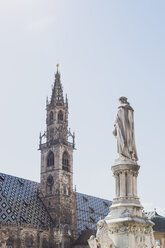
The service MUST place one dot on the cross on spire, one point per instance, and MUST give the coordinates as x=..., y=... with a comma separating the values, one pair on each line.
x=57, y=65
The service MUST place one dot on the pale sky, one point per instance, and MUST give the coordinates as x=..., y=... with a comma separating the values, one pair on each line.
x=106, y=49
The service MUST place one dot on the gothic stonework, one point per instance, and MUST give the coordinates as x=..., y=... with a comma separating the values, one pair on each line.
x=51, y=208
x=23, y=236
x=57, y=161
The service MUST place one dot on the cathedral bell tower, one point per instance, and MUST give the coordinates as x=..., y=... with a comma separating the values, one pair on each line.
x=57, y=160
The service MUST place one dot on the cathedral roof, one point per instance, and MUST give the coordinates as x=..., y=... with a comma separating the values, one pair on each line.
x=20, y=202
x=158, y=220
x=90, y=210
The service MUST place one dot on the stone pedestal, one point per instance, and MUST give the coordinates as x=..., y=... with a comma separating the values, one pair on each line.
x=125, y=226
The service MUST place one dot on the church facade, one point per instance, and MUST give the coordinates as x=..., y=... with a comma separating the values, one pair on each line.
x=50, y=213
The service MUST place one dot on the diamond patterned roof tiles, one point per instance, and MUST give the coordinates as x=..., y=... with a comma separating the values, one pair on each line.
x=20, y=203
x=90, y=210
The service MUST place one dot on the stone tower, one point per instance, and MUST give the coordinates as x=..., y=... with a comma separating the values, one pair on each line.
x=57, y=160
x=126, y=226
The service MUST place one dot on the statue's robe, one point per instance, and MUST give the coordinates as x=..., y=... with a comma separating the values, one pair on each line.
x=124, y=131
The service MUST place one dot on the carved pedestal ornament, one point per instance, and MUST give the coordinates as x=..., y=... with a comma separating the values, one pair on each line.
x=125, y=226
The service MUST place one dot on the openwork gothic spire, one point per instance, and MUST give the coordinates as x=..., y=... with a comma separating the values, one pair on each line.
x=57, y=98
x=57, y=131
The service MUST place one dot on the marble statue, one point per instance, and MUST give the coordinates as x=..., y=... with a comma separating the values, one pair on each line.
x=102, y=239
x=125, y=226
x=124, y=131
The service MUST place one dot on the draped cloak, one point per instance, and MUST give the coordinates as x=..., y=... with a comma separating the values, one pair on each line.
x=124, y=132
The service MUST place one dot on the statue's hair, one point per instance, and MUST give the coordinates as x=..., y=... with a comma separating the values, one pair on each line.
x=123, y=99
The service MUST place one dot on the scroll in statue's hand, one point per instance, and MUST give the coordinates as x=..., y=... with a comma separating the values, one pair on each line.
x=115, y=131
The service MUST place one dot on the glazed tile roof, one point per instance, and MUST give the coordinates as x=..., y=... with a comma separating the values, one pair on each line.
x=20, y=203
x=158, y=220
x=90, y=210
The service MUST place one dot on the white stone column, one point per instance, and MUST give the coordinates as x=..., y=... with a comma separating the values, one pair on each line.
x=135, y=185
x=129, y=184
x=117, y=185
x=122, y=184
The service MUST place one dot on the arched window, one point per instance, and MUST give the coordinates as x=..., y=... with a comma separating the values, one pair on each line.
x=65, y=193
x=51, y=118
x=66, y=190
x=50, y=159
x=60, y=116
x=65, y=161
x=45, y=243
x=28, y=242
x=9, y=243
x=52, y=244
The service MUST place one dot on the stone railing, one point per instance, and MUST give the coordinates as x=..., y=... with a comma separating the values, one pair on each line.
x=55, y=142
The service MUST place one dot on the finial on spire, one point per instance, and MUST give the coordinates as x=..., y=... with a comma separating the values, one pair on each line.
x=57, y=66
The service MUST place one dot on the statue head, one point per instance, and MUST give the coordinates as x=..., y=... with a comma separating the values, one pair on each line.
x=123, y=100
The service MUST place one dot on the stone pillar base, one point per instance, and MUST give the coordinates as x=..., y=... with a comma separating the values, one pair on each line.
x=123, y=233
x=126, y=226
